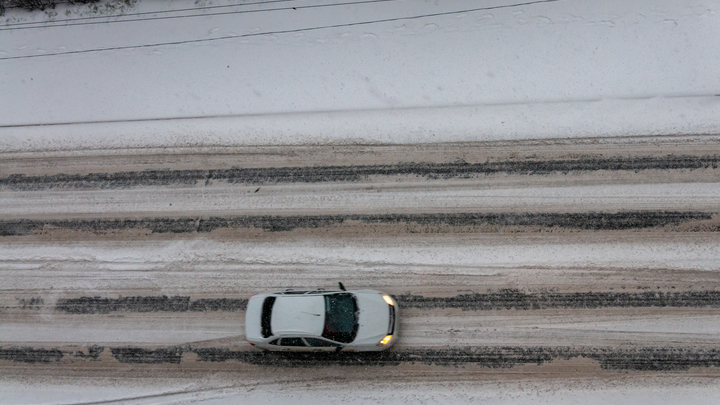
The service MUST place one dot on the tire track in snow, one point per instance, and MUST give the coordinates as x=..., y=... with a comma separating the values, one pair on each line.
x=645, y=359
x=98, y=305
x=515, y=299
x=503, y=299
x=611, y=358
x=319, y=174
x=591, y=221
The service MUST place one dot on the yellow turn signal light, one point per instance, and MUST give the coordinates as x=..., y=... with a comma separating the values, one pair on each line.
x=388, y=300
x=385, y=340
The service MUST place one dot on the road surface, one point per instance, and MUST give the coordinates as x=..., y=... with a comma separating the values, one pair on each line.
x=512, y=261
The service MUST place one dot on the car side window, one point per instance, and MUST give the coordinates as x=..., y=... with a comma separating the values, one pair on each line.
x=294, y=292
x=292, y=342
x=314, y=342
x=274, y=342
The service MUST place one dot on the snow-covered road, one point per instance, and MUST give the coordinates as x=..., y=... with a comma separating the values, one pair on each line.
x=588, y=264
x=583, y=251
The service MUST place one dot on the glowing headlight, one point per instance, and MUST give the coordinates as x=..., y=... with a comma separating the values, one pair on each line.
x=388, y=300
x=385, y=340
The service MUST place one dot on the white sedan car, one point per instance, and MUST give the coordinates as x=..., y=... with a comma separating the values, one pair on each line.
x=322, y=321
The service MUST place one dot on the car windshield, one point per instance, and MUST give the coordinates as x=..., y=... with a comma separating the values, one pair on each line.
x=341, y=323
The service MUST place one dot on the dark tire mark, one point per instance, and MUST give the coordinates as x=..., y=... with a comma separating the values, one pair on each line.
x=636, y=359
x=502, y=299
x=218, y=304
x=93, y=353
x=646, y=359
x=515, y=299
x=354, y=173
x=31, y=303
x=655, y=359
x=100, y=305
x=171, y=355
x=30, y=355
x=590, y=221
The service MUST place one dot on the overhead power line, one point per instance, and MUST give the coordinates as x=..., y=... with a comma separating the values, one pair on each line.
x=289, y=31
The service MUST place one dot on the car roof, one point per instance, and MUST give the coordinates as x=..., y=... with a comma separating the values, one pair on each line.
x=307, y=292
x=302, y=315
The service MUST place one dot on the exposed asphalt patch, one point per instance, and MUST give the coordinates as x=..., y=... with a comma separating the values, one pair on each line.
x=93, y=353
x=31, y=303
x=353, y=173
x=589, y=221
x=30, y=355
x=101, y=305
x=515, y=299
x=171, y=355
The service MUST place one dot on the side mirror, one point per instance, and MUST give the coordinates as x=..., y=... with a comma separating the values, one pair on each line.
x=342, y=287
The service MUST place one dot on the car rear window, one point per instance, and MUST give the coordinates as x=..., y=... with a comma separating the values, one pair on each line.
x=341, y=323
x=266, y=316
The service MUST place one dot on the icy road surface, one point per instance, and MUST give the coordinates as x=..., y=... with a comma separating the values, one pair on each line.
x=513, y=262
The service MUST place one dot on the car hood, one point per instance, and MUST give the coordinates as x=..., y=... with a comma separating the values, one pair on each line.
x=373, y=319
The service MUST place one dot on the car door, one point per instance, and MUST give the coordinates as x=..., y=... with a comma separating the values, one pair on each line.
x=321, y=345
x=293, y=344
